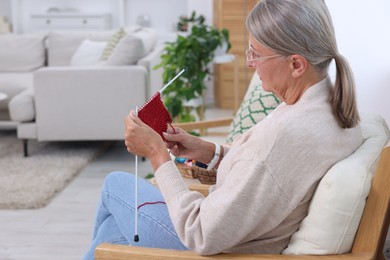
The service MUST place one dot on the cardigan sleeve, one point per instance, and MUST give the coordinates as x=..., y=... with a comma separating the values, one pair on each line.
x=246, y=206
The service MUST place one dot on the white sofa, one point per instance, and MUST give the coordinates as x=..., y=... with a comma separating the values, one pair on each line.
x=58, y=99
x=19, y=58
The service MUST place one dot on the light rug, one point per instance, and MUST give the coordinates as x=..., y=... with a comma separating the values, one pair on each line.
x=31, y=182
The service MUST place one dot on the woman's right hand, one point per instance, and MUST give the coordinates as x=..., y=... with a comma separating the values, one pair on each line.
x=182, y=144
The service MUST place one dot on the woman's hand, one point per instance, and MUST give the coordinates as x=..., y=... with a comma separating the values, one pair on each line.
x=182, y=144
x=142, y=140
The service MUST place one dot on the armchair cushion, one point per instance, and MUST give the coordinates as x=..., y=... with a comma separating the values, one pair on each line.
x=339, y=200
x=257, y=104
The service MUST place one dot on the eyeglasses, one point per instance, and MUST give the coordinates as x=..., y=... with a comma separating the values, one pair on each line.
x=251, y=56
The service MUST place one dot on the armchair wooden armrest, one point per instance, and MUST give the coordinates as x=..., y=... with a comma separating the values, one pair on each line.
x=202, y=188
x=204, y=124
x=122, y=252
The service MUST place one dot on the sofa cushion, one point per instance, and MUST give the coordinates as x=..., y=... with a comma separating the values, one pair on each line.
x=63, y=44
x=21, y=107
x=132, y=47
x=12, y=83
x=112, y=43
x=88, y=53
x=148, y=37
x=338, y=202
x=24, y=52
x=127, y=52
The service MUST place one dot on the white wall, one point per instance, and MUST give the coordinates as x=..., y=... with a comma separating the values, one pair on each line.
x=204, y=7
x=5, y=9
x=363, y=34
x=164, y=13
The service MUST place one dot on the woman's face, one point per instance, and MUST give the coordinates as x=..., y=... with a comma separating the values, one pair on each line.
x=273, y=69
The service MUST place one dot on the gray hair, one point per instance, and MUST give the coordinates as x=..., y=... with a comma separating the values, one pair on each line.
x=305, y=27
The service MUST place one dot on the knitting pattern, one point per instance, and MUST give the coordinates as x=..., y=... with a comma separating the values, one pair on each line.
x=154, y=114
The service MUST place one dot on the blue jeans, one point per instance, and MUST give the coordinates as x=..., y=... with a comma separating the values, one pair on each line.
x=115, y=216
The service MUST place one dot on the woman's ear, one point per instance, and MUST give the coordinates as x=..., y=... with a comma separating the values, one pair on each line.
x=298, y=65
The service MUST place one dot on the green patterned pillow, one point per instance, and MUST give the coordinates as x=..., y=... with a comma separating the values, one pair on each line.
x=111, y=44
x=257, y=104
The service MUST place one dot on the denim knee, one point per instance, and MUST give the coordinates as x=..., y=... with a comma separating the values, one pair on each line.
x=116, y=175
x=115, y=178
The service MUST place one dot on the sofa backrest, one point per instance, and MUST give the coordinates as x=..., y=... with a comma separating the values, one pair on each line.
x=63, y=44
x=24, y=52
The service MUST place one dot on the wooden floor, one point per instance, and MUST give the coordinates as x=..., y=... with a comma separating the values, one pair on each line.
x=63, y=229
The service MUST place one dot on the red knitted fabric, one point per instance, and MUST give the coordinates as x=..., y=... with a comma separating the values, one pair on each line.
x=155, y=115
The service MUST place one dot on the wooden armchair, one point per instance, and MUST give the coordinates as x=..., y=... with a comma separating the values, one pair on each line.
x=368, y=244
x=369, y=240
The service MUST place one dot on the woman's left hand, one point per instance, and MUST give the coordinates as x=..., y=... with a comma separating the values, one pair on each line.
x=142, y=140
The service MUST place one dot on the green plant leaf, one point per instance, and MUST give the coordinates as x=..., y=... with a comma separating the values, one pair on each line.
x=195, y=51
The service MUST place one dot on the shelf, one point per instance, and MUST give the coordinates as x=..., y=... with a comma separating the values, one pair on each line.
x=122, y=12
x=70, y=21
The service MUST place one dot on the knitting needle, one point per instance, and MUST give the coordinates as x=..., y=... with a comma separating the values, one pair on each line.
x=172, y=80
x=136, y=238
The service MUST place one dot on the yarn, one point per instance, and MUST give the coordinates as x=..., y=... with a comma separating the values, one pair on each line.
x=151, y=203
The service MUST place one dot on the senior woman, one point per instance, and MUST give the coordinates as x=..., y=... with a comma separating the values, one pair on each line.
x=267, y=177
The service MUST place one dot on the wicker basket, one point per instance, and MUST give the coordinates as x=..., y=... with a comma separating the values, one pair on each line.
x=206, y=176
x=194, y=172
x=187, y=171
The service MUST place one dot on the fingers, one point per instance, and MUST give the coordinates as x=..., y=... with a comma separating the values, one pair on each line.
x=174, y=130
x=169, y=145
x=133, y=122
x=174, y=134
x=136, y=120
x=175, y=150
x=172, y=137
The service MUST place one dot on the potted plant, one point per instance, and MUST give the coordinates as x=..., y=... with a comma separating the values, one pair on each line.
x=194, y=51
